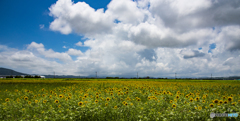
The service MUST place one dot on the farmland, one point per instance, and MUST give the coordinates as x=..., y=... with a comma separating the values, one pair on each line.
x=117, y=99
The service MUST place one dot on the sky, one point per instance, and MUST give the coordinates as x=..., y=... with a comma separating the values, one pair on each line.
x=156, y=38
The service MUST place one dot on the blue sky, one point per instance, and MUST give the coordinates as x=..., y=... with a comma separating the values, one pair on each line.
x=118, y=38
x=21, y=24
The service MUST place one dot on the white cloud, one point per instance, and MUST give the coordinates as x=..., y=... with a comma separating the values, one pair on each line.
x=78, y=17
x=48, y=53
x=79, y=44
x=41, y=26
x=75, y=52
x=64, y=46
x=154, y=37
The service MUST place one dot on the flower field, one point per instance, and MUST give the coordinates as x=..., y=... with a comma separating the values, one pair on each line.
x=117, y=99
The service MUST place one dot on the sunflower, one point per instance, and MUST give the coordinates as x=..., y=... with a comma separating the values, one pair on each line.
x=106, y=104
x=126, y=104
x=191, y=100
x=7, y=99
x=80, y=103
x=25, y=98
x=43, y=95
x=69, y=94
x=96, y=101
x=203, y=101
x=220, y=101
x=211, y=105
x=216, y=101
x=234, y=103
x=59, y=106
x=224, y=97
x=36, y=101
x=238, y=101
x=149, y=98
x=97, y=96
x=225, y=102
x=115, y=107
x=29, y=102
x=197, y=98
x=56, y=101
x=107, y=99
x=123, y=102
x=50, y=96
x=230, y=99
x=171, y=101
x=61, y=96
x=186, y=96
x=44, y=101
x=177, y=96
x=138, y=99
x=66, y=99
x=174, y=105
x=199, y=108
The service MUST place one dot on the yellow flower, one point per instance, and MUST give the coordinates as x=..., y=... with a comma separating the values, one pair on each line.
x=25, y=98
x=44, y=101
x=107, y=99
x=96, y=101
x=36, y=101
x=7, y=99
x=59, y=106
x=80, y=103
x=56, y=101
x=211, y=105
x=199, y=108
x=191, y=100
x=106, y=104
x=115, y=107
x=177, y=96
x=225, y=102
x=29, y=102
x=61, y=96
x=221, y=102
x=216, y=101
x=174, y=105
x=230, y=99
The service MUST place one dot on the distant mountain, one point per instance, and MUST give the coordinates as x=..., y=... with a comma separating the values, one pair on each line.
x=4, y=71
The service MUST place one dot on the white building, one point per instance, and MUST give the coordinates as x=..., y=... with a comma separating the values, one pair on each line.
x=43, y=77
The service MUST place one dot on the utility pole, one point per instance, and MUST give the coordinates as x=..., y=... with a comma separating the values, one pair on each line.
x=96, y=74
x=137, y=74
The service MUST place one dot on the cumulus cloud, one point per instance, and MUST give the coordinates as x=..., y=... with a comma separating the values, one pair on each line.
x=75, y=52
x=153, y=37
x=78, y=17
x=79, y=44
x=187, y=54
x=48, y=53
